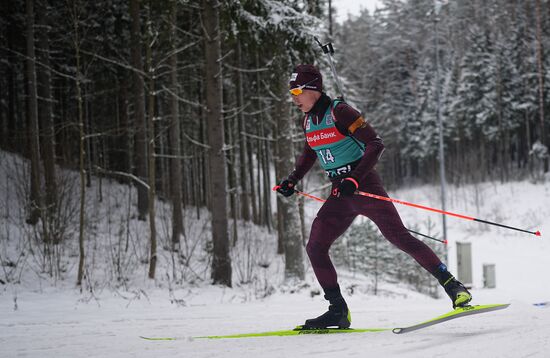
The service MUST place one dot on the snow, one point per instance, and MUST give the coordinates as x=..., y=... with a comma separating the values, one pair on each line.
x=521, y=260
x=59, y=324
x=42, y=318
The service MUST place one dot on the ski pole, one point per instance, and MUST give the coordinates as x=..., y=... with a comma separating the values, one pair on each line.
x=537, y=233
x=429, y=237
x=329, y=50
x=323, y=200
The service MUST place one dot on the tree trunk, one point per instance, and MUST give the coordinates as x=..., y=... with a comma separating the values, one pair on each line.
x=540, y=75
x=267, y=182
x=232, y=166
x=262, y=157
x=221, y=262
x=45, y=114
x=3, y=133
x=330, y=18
x=139, y=109
x=258, y=183
x=151, y=149
x=120, y=149
x=75, y=21
x=11, y=69
x=290, y=229
x=175, y=142
x=33, y=132
x=243, y=147
x=253, y=186
x=121, y=157
x=231, y=170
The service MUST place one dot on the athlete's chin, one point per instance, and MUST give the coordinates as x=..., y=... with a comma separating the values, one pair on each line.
x=303, y=108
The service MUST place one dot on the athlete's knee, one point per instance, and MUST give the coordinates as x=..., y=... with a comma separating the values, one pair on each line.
x=314, y=249
x=318, y=255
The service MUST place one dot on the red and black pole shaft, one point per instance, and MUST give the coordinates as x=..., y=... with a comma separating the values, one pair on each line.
x=323, y=200
x=537, y=233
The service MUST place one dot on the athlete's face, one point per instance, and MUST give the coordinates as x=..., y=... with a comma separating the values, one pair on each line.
x=305, y=100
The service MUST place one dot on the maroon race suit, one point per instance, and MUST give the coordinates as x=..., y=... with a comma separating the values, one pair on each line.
x=337, y=213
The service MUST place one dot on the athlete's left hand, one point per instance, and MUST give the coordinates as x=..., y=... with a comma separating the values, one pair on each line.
x=346, y=187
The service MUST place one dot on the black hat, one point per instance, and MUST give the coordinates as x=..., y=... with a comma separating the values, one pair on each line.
x=307, y=75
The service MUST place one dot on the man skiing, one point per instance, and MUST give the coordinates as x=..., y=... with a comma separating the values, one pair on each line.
x=348, y=149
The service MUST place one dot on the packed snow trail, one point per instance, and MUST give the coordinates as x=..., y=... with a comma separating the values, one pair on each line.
x=57, y=324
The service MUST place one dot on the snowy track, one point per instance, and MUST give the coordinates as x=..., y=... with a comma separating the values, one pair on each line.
x=57, y=325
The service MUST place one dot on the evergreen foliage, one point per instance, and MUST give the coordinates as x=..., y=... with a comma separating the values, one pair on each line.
x=489, y=80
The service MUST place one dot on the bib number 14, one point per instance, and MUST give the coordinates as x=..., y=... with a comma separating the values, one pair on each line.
x=326, y=156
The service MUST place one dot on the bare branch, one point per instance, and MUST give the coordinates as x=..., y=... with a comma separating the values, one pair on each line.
x=196, y=142
x=252, y=70
x=269, y=139
x=123, y=65
x=195, y=104
x=123, y=174
x=39, y=63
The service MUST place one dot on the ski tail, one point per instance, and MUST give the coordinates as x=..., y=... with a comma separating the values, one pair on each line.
x=160, y=338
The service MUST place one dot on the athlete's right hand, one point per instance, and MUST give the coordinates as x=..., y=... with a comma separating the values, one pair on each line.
x=286, y=187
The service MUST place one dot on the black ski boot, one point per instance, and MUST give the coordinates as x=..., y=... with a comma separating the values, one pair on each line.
x=457, y=292
x=459, y=295
x=338, y=314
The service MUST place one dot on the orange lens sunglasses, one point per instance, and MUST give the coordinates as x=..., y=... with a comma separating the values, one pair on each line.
x=300, y=89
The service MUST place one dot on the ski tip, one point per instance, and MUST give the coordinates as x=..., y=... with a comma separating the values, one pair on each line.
x=397, y=330
x=537, y=233
x=445, y=242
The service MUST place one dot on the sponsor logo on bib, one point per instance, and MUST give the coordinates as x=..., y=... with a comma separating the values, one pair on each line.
x=323, y=137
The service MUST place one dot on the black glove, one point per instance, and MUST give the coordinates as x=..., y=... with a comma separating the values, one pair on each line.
x=346, y=187
x=286, y=187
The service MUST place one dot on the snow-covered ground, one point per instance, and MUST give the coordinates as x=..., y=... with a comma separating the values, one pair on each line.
x=521, y=260
x=59, y=324
x=45, y=318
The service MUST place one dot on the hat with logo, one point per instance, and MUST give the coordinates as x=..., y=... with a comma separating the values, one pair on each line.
x=307, y=76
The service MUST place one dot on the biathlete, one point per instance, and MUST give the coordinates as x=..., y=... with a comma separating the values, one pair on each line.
x=348, y=149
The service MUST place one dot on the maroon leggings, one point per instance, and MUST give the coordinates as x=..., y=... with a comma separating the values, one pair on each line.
x=337, y=214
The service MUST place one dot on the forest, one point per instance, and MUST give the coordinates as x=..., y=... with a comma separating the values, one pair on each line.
x=186, y=104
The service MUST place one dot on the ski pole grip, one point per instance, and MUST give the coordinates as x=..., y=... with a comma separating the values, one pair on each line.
x=327, y=48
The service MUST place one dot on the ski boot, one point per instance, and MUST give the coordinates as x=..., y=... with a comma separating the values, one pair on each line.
x=459, y=295
x=338, y=314
x=457, y=292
